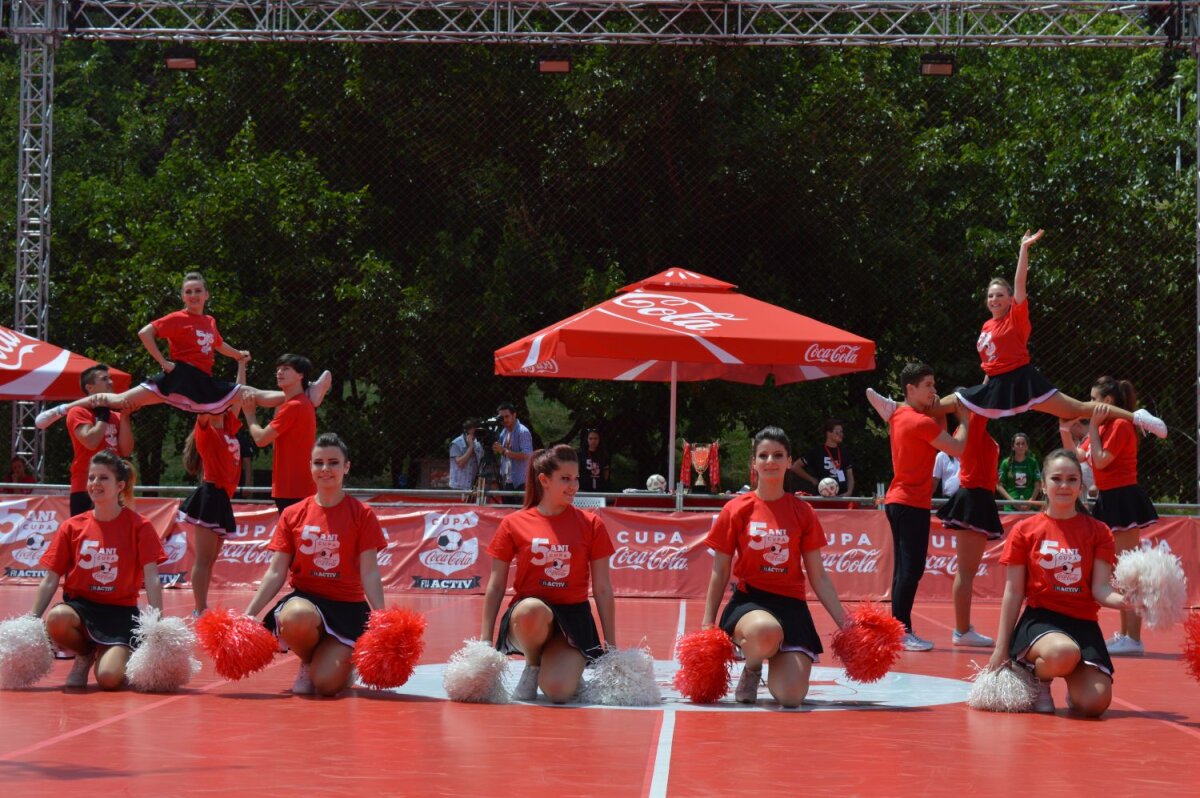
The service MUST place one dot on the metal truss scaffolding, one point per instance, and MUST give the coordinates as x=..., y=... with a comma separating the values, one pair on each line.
x=38, y=25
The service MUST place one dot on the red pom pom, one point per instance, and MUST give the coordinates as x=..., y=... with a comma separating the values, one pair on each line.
x=869, y=645
x=238, y=644
x=388, y=651
x=1191, y=644
x=705, y=658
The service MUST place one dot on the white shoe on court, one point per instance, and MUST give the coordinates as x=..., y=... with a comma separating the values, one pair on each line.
x=1143, y=419
x=913, y=643
x=1120, y=645
x=78, y=677
x=303, y=684
x=883, y=405
x=973, y=638
x=48, y=416
x=1044, y=702
x=527, y=685
x=746, y=691
x=318, y=388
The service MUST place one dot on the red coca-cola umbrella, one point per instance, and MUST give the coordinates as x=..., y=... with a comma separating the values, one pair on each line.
x=683, y=326
x=35, y=370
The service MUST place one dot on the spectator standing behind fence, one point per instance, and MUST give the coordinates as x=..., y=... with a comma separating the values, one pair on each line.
x=513, y=446
x=593, y=464
x=465, y=455
x=1020, y=477
x=94, y=430
x=830, y=459
x=20, y=475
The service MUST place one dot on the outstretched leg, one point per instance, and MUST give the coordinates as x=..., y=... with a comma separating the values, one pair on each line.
x=130, y=400
x=1063, y=406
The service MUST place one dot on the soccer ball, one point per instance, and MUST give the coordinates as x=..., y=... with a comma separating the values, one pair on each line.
x=828, y=487
x=656, y=483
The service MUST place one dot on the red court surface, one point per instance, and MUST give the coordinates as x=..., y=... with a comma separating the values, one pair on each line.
x=911, y=734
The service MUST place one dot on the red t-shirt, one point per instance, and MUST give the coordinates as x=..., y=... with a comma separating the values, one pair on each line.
x=193, y=337
x=1058, y=556
x=554, y=553
x=220, y=453
x=102, y=561
x=1004, y=342
x=912, y=435
x=1118, y=437
x=295, y=424
x=980, y=461
x=325, y=544
x=770, y=540
x=83, y=455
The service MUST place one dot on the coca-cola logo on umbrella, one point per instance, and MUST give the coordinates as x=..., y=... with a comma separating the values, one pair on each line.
x=845, y=354
x=676, y=311
x=15, y=348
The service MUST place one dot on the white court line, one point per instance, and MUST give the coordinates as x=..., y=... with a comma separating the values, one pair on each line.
x=662, y=756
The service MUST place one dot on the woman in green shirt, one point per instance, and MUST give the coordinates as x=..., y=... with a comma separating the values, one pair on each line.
x=1020, y=477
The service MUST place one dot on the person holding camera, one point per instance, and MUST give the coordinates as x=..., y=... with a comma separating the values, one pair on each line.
x=93, y=430
x=514, y=445
x=466, y=453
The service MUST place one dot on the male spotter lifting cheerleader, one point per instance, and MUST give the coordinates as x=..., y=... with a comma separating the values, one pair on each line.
x=763, y=537
x=559, y=549
x=1012, y=385
x=186, y=380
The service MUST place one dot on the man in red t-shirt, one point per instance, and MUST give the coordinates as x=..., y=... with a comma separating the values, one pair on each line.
x=93, y=430
x=916, y=439
x=293, y=430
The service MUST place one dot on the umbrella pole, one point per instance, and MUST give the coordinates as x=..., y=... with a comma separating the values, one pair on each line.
x=671, y=440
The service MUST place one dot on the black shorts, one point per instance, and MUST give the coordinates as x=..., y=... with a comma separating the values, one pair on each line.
x=1125, y=508
x=799, y=631
x=1037, y=622
x=345, y=620
x=209, y=507
x=105, y=624
x=972, y=509
x=1008, y=394
x=190, y=389
x=574, y=621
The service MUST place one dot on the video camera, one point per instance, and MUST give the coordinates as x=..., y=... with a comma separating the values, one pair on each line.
x=489, y=428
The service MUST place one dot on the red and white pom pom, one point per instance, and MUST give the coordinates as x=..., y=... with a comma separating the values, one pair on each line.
x=1191, y=644
x=388, y=650
x=1006, y=689
x=869, y=644
x=25, y=653
x=1153, y=582
x=475, y=674
x=622, y=677
x=163, y=661
x=238, y=644
x=705, y=665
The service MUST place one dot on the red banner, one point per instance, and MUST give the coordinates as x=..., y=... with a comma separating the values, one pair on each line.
x=442, y=550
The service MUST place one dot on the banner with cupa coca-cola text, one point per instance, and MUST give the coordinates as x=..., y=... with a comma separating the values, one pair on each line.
x=443, y=550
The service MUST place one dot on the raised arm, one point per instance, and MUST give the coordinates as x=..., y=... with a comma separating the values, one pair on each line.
x=1027, y=240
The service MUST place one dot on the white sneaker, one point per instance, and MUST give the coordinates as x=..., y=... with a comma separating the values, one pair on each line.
x=303, y=684
x=883, y=405
x=527, y=686
x=746, y=691
x=1142, y=418
x=913, y=643
x=78, y=677
x=317, y=389
x=1120, y=645
x=48, y=416
x=1044, y=702
x=973, y=638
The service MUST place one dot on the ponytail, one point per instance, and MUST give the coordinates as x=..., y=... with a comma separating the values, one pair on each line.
x=545, y=461
x=191, y=455
x=1120, y=391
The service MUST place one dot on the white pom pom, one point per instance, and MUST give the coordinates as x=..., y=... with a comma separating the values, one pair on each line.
x=475, y=674
x=622, y=677
x=163, y=661
x=1154, y=584
x=1007, y=689
x=25, y=653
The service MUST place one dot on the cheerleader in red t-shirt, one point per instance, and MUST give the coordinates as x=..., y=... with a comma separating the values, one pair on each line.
x=103, y=557
x=1011, y=385
x=1060, y=564
x=1111, y=448
x=186, y=380
x=972, y=513
x=763, y=537
x=559, y=551
x=326, y=546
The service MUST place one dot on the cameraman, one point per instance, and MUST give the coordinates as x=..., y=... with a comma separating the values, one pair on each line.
x=514, y=447
x=465, y=456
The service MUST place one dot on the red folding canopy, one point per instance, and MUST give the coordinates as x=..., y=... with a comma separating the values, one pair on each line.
x=681, y=325
x=34, y=370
